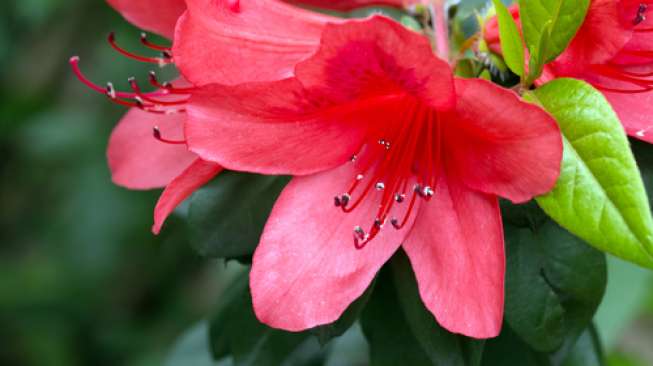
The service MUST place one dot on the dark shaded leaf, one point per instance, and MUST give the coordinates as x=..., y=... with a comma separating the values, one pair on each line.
x=226, y=217
x=554, y=285
x=441, y=346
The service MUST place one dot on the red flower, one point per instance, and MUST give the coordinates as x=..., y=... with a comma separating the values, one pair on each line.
x=430, y=156
x=224, y=41
x=613, y=51
x=159, y=16
x=216, y=39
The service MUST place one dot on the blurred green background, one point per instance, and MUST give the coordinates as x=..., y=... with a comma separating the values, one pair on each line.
x=82, y=280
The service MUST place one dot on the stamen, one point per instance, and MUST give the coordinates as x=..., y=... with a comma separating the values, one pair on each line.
x=151, y=45
x=137, y=90
x=168, y=87
x=641, y=14
x=415, y=156
x=161, y=61
x=157, y=135
x=74, y=64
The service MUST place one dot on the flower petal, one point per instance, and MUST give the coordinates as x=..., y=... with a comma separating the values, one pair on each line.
x=603, y=34
x=195, y=176
x=270, y=129
x=457, y=252
x=159, y=16
x=231, y=42
x=501, y=145
x=318, y=119
x=635, y=112
x=377, y=56
x=306, y=270
x=139, y=161
x=353, y=4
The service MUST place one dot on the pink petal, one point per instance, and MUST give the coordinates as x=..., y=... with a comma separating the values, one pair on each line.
x=230, y=42
x=603, y=34
x=457, y=252
x=318, y=119
x=501, y=145
x=195, y=176
x=270, y=129
x=377, y=56
x=139, y=161
x=353, y=4
x=635, y=112
x=306, y=270
x=159, y=16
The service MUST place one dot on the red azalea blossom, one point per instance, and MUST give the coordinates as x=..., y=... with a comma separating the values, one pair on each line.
x=613, y=51
x=147, y=149
x=411, y=157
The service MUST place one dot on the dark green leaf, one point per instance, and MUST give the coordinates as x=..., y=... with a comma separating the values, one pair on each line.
x=236, y=331
x=507, y=349
x=599, y=196
x=441, y=346
x=227, y=216
x=554, y=284
x=384, y=325
x=192, y=348
x=511, y=41
x=565, y=18
x=587, y=350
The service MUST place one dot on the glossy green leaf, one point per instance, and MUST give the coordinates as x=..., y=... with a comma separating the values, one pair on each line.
x=554, y=284
x=385, y=327
x=599, y=196
x=441, y=346
x=565, y=18
x=226, y=217
x=511, y=40
x=537, y=55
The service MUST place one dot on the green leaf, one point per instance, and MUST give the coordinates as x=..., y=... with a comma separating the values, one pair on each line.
x=554, y=284
x=536, y=63
x=511, y=41
x=441, y=346
x=565, y=17
x=226, y=217
x=192, y=348
x=507, y=349
x=599, y=196
x=587, y=351
x=325, y=333
x=391, y=340
x=236, y=332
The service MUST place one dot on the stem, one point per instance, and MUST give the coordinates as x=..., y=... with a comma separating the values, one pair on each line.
x=440, y=27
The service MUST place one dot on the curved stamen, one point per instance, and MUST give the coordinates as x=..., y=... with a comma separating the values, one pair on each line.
x=154, y=81
x=151, y=45
x=156, y=132
x=161, y=61
x=74, y=64
x=137, y=90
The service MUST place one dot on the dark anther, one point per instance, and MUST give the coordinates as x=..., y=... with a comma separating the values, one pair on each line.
x=344, y=199
x=395, y=223
x=641, y=14
x=336, y=201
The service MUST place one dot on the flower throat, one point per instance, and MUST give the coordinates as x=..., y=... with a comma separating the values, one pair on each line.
x=397, y=166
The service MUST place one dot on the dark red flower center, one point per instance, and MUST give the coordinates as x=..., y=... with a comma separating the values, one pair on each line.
x=398, y=165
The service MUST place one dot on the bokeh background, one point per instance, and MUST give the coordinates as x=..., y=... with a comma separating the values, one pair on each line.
x=82, y=280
